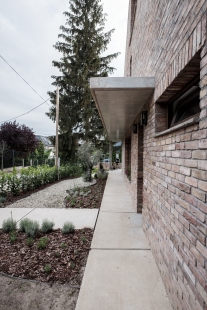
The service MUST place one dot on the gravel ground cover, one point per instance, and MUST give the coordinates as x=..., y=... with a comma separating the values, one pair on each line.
x=50, y=197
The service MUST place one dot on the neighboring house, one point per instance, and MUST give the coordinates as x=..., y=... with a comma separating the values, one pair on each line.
x=159, y=112
x=47, y=144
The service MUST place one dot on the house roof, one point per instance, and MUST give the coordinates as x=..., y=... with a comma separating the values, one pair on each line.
x=45, y=140
x=119, y=100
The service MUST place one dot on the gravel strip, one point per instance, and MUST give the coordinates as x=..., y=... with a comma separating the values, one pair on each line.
x=50, y=197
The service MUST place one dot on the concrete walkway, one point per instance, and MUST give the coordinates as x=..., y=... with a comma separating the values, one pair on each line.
x=121, y=273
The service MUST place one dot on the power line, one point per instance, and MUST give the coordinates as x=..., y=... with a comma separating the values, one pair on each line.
x=22, y=78
x=26, y=112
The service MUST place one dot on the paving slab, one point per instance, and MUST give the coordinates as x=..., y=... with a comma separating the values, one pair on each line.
x=119, y=231
x=17, y=214
x=122, y=204
x=122, y=280
x=80, y=218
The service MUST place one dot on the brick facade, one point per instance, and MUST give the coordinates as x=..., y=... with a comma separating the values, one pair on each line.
x=169, y=42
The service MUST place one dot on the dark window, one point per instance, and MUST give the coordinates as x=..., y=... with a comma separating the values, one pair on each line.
x=130, y=67
x=186, y=104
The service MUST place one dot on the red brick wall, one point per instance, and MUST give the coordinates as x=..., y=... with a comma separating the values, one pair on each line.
x=166, y=36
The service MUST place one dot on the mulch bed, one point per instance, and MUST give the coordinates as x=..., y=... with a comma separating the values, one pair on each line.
x=87, y=197
x=11, y=199
x=65, y=253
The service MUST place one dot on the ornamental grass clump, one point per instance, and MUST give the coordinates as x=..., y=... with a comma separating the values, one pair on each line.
x=31, y=229
x=68, y=227
x=24, y=223
x=43, y=242
x=47, y=268
x=47, y=226
x=9, y=225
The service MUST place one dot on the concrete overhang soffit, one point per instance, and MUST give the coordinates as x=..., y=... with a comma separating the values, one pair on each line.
x=119, y=100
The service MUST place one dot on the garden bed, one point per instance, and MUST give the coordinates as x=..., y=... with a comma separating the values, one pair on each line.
x=62, y=261
x=86, y=197
x=12, y=199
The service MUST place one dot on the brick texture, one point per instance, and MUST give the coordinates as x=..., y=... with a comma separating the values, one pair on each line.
x=168, y=41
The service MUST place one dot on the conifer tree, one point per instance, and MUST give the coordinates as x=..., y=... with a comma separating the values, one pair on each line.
x=83, y=42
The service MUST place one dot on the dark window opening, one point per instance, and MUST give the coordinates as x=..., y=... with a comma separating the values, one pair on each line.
x=130, y=67
x=186, y=104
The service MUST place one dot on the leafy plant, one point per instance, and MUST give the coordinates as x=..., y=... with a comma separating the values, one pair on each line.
x=102, y=174
x=72, y=265
x=47, y=226
x=32, y=229
x=43, y=242
x=30, y=241
x=57, y=254
x=24, y=223
x=68, y=227
x=9, y=225
x=63, y=245
x=47, y=268
x=2, y=199
x=83, y=238
x=13, y=237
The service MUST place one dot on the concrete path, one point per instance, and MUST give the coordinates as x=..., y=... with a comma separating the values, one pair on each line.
x=121, y=273
x=81, y=218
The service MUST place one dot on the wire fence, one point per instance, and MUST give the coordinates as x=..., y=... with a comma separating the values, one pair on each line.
x=12, y=158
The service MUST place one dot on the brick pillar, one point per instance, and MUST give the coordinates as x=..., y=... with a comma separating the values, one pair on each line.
x=137, y=168
x=127, y=153
x=140, y=170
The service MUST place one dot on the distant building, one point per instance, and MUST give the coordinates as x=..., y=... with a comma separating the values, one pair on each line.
x=47, y=144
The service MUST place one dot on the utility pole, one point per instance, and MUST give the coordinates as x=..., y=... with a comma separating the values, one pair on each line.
x=57, y=123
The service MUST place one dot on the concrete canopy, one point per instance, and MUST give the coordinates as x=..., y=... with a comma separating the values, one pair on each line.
x=119, y=100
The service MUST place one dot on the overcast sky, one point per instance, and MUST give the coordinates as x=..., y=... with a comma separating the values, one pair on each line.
x=28, y=31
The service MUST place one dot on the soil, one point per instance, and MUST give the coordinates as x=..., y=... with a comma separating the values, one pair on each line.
x=11, y=199
x=17, y=294
x=86, y=198
x=65, y=253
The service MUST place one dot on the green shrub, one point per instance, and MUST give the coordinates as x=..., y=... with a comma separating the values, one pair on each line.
x=43, y=242
x=2, y=199
x=32, y=229
x=24, y=223
x=30, y=241
x=47, y=268
x=13, y=237
x=63, y=245
x=47, y=226
x=68, y=227
x=102, y=174
x=9, y=225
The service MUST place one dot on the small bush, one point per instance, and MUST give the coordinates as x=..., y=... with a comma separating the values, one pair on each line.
x=43, y=242
x=47, y=268
x=47, y=226
x=13, y=237
x=63, y=245
x=2, y=199
x=9, y=225
x=30, y=241
x=102, y=174
x=68, y=227
x=32, y=229
x=24, y=223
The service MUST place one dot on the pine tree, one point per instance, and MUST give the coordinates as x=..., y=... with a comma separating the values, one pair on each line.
x=82, y=44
